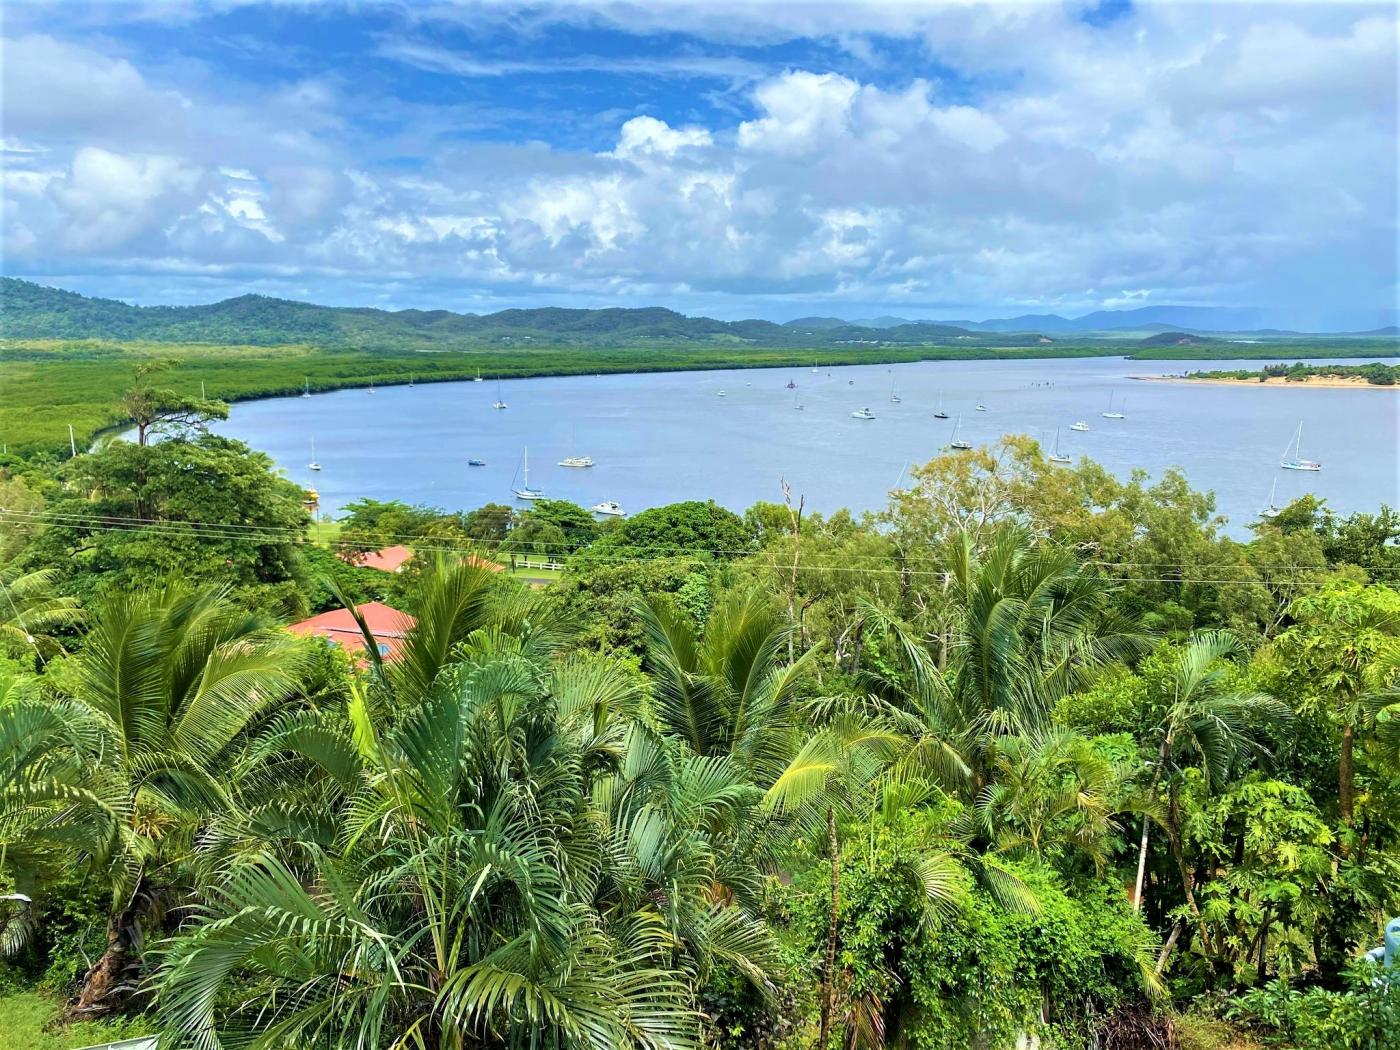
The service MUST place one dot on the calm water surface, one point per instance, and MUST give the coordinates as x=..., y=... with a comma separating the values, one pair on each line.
x=662, y=437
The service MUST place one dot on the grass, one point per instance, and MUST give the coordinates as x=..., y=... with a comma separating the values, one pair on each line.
x=25, y=1017
x=46, y=385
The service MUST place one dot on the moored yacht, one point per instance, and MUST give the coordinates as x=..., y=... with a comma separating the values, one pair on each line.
x=610, y=507
x=862, y=413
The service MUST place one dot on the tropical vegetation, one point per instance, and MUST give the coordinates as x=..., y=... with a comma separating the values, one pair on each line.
x=1031, y=753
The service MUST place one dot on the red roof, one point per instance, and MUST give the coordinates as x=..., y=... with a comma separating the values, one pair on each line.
x=387, y=624
x=390, y=559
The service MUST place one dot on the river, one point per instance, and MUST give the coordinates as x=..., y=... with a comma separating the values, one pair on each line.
x=662, y=437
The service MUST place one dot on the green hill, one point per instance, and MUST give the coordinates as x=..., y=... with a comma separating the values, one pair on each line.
x=31, y=311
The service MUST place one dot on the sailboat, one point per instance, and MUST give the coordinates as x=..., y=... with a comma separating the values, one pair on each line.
x=961, y=446
x=498, y=403
x=791, y=385
x=525, y=491
x=1295, y=461
x=1271, y=511
x=815, y=369
x=940, y=414
x=371, y=384
x=862, y=413
x=981, y=407
x=795, y=404
x=478, y=376
x=1056, y=457
x=894, y=394
x=1110, y=414
x=305, y=389
x=313, y=465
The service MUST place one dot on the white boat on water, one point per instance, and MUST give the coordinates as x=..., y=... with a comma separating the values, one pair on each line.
x=313, y=465
x=815, y=369
x=961, y=446
x=576, y=461
x=1080, y=426
x=499, y=403
x=1295, y=461
x=525, y=491
x=478, y=376
x=862, y=413
x=1271, y=511
x=1056, y=456
x=610, y=507
x=894, y=393
x=940, y=414
x=305, y=389
x=1110, y=414
x=722, y=394
x=981, y=407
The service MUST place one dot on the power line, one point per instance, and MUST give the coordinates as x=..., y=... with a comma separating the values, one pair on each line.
x=218, y=531
x=232, y=530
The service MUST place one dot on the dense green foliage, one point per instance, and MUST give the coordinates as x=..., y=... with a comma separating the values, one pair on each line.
x=1032, y=752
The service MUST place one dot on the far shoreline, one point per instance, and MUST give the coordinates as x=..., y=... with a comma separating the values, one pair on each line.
x=1317, y=382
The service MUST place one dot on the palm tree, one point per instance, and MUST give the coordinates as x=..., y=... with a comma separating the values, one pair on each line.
x=129, y=766
x=31, y=607
x=519, y=862
x=733, y=692
x=1207, y=721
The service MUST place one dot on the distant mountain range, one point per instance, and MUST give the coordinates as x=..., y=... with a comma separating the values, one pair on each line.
x=34, y=311
x=1197, y=319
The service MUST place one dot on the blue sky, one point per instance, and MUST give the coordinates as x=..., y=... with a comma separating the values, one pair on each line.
x=731, y=159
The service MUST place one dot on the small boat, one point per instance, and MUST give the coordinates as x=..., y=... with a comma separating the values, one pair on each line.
x=961, y=446
x=576, y=461
x=1080, y=426
x=476, y=462
x=791, y=385
x=981, y=407
x=610, y=507
x=499, y=403
x=305, y=389
x=1295, y=461
x=478, y=376
x=894, y=394
x=313, y=465
x=1271, y=511
x=1110, y=414
x=525, y=491
x=1055, y=456
x=371, y=385
x=815, y=369
x=940, y=414
x=862, y=413
x=722, y=394
x=795, y=404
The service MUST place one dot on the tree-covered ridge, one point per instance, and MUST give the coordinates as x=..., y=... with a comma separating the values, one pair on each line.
x=1031, y=753
x=33, y=311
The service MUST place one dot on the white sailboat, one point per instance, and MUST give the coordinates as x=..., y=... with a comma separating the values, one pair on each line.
x=478, y=376
x=1055, y=456
x=981, y=407
x=961, y=446
x=815, y=369
x=862, y=413
x=371, y=384
x=610, y=507
x=1271, y=511
x=940, y=414
x=525, y=491
x=305, y=388
x=1295, y=461
x=313, y=465
x=894, y=393
x=1110, y=414
x=499, y=403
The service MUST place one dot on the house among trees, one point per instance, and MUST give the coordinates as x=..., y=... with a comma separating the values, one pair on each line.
x=387, y=559
x=387, y=624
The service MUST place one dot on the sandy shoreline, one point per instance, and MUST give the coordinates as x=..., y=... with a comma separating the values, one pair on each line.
x=1326, y=382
